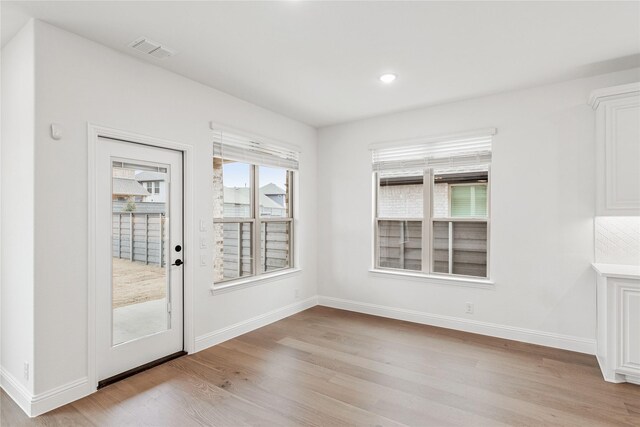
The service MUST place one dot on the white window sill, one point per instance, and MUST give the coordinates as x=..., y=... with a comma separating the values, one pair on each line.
x=253, y=281
x=436, y=279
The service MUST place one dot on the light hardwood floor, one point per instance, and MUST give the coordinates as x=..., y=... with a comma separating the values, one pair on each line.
x=330, y=367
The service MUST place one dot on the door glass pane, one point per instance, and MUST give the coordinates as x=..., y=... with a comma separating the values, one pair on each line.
x=274, y=245
x=140, y=250
x=400, y=244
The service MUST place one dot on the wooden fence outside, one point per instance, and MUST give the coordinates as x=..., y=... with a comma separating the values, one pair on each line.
x=274, y=254
x=137, y=237
x=400, y=246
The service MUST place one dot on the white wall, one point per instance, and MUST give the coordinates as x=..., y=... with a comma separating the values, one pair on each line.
x=79, y=81
x=17, y=207
x=542, y=201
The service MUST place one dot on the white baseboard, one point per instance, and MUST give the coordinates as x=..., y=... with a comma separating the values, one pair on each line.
x=633, y=380
x=16, y=391
x=56, y=397
x=607, y=374
x=34, y=405
x=565, y=342
x=229, y=332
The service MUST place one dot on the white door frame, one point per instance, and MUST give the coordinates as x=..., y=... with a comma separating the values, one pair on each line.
x=94, y=132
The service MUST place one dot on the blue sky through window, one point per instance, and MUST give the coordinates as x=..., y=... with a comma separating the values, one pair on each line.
x=238, y=175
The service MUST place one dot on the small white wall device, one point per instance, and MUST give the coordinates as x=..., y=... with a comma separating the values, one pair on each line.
x=56, y=131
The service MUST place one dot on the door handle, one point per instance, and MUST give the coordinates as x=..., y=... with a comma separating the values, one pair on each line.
x=178, y=262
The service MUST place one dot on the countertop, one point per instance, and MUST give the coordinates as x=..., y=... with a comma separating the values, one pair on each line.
x=617, y=270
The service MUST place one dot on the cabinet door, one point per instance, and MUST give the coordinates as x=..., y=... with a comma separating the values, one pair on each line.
x=629, y=344
x=621, y=157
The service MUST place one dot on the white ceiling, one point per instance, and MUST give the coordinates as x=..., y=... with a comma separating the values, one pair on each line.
x=318, y=62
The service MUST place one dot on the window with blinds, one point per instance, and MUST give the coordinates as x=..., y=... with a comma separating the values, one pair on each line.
x=432, y=204
x=252, y=206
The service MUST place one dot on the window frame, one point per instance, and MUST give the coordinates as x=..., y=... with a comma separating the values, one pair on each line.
x=256, y=220
x=428, y=220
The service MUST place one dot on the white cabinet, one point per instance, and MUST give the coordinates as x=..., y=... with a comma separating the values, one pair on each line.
x=618, y=319
x=617, y=149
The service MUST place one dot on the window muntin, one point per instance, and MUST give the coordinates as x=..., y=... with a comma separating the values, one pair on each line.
x=253, y=219
x=455, y=224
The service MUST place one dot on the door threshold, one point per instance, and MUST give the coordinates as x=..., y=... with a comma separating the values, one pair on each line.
x=142, y=368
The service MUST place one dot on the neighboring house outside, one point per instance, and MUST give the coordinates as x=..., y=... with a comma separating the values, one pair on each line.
x=129, y=195
x=126, y=188
x=406, y=200
x=156, y=185
x=275, y=193
x=238, y=205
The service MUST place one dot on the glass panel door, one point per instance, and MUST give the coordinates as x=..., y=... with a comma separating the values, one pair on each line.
x=140, y=291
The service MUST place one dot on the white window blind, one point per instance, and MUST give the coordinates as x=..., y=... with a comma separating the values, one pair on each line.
x=244, y=149
x=471, y=148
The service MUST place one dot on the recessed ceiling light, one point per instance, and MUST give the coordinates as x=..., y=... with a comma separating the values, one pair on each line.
x=387, y=78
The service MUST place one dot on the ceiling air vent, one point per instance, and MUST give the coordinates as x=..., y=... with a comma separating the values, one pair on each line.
x=149, y=47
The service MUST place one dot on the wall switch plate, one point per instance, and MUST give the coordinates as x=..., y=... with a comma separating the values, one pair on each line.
x=203, y=225
x=468, y=308
x=203, y=260
x=203, y=243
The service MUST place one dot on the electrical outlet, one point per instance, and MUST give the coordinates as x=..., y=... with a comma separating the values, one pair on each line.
x=26, y=370
x=296, y=293
x=468, y=308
